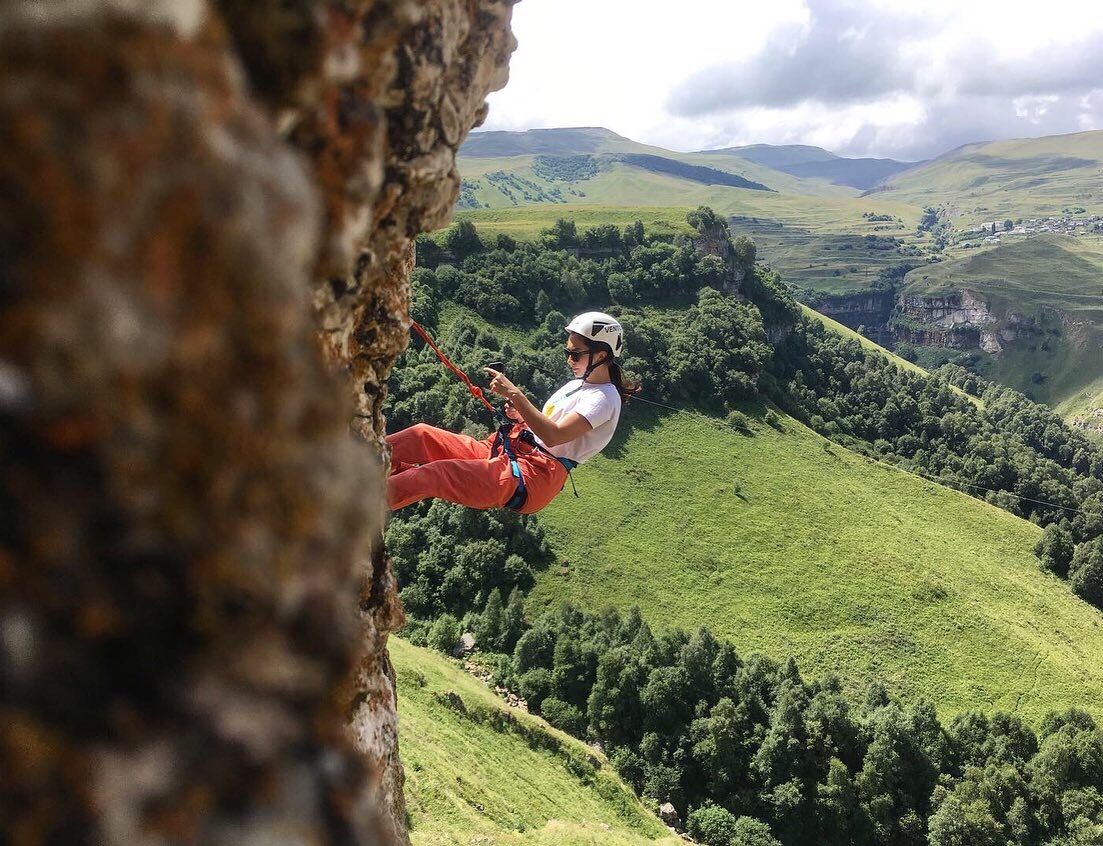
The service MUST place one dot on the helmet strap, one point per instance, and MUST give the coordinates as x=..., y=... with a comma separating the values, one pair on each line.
x=590, y=366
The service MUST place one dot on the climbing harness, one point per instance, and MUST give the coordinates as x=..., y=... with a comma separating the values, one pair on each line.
x=503, y=439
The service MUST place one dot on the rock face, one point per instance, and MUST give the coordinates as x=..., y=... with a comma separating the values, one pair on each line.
x=669, y=815
x=869, y=310
x=194, y=602
x=960, y=320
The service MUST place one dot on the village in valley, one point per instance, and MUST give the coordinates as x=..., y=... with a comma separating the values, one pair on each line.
x=991, y=233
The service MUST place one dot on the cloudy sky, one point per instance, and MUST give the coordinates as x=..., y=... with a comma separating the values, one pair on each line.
x=906, y=80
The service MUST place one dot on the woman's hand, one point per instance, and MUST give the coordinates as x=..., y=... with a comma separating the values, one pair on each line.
x=499, y=384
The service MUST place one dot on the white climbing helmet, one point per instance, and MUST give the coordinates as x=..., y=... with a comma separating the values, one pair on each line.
x=600, y=327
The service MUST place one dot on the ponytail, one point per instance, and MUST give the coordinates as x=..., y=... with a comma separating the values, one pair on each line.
x=625, y=387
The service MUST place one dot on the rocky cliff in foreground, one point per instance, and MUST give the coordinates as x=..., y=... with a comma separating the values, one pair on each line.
x=194, y=604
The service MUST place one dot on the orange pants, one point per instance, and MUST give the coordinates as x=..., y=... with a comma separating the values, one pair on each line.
x=430, y=462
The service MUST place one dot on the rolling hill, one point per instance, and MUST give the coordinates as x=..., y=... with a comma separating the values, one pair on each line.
x=833, y=240
x=1016, y=178
x=480, y=772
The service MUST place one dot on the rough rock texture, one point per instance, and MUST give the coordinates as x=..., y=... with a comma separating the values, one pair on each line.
x=870, y=310
x=960, y=321
x=194, y=603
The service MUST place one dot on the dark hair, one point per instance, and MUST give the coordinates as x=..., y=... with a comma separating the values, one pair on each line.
x=625, y=387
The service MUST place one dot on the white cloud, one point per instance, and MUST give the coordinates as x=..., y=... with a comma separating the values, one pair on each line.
x=861, y=78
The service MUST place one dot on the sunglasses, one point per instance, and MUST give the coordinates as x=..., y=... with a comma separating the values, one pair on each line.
x=575, y=355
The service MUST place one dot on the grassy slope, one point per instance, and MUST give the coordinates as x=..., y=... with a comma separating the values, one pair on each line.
x=530, y=792
x=1022, y=177
x=1034, y=277
x=854, y=568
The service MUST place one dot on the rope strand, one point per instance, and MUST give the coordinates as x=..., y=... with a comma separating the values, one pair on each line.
x=475, y=390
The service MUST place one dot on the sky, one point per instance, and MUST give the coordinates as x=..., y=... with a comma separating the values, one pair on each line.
x=885, y=78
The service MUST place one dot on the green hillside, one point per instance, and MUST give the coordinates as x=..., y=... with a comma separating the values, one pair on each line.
x=1058, y=281
x=480, y=772
x=854, y=568
x=1023, y=177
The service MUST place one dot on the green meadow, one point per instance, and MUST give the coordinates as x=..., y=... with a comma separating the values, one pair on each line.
x=789, y=545
x=480, y=772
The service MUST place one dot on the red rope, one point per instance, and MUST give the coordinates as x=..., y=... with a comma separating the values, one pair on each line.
x=476, y=391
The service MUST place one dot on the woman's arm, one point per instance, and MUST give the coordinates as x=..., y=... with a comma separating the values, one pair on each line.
x=573, y=425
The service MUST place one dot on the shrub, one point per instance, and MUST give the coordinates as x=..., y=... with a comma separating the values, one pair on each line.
x=563, y=716
x=738, y=420
x=752, y=832
x=444, y=633
x=712, y=825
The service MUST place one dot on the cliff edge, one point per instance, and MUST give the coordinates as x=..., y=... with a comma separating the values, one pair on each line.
x=208, y=213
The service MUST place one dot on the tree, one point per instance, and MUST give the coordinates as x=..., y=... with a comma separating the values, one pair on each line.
x=1086, y=571
x=513, y=621
x=463, y=239
x=964, y=819
x=488, y=627
x=562, y=234
x=1008, y=225
x=542, y=307
x=752, y=832
x=1055, y=549
x=621, y=289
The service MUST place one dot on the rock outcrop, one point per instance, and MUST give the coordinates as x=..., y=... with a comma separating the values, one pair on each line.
x=958, y=320
x=868, y=310
x=194, y=603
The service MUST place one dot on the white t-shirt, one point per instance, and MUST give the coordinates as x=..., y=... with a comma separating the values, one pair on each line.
x=598, y=403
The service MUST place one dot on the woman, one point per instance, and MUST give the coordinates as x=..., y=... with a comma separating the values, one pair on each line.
x=575, y=424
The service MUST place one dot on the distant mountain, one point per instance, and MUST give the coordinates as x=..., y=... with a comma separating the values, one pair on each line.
x=808, y=162
x=568, y=141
